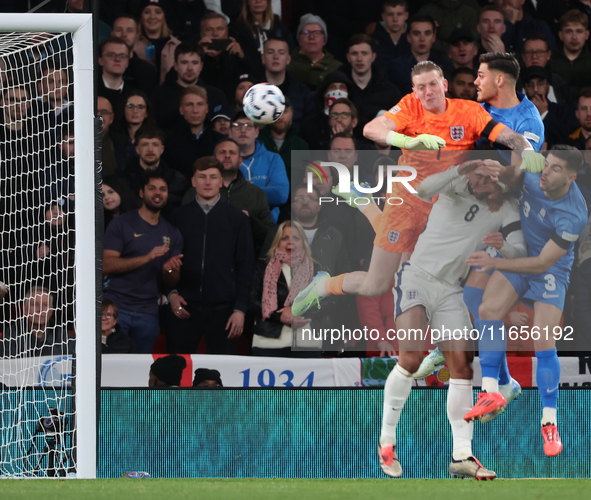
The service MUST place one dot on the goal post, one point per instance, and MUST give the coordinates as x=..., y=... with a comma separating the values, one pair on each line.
x=84, y=272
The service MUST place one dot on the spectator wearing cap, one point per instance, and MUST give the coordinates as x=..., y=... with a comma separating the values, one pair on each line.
x=282, y=137
x=421, y=35
x=140, y=72
x=222, y=68
x=275, y=59
x=261, y=167
x=240, y=193
x=461, y=84
x=559, y=119
x=373, y=91
x=167, y=371
x=221, y=120
x=188, y=64
x=204, y=377
x=390, y=33
x=537, y=53
x=463, y=49
x=192, y=137
x=573, y=62
x=156, y=43
x=450, y=15
x=520, y=24
x=245, y=81
x=257, y=23
x=315, y=130
x=581, y=135
x=310, y=62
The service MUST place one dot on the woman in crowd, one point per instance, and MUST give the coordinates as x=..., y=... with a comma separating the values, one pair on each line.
x=137, y=111
x=257, y=23
x=114, y=341
x=155, y=43
x=117, y=198
x=288, y=269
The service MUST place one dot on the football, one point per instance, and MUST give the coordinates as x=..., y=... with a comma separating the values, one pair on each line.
x=264, y=103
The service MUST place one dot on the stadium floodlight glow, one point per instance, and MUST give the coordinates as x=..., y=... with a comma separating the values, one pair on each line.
x=22, y=36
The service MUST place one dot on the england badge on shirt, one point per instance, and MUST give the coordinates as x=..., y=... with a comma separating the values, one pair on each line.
x=456, y=132
x=393, y=236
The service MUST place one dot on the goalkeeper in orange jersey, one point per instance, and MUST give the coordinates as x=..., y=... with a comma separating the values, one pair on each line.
x=434, y=133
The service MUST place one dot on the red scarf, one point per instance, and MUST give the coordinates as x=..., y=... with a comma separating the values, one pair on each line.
x=304, y=271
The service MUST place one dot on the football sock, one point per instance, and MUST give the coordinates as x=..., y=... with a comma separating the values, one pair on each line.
x=331, y=286
x=396, y=392
x=473, y=299
x=491, y=349
x=549, y=416
x=373, y=214
x=460, y=401
x=548, y=377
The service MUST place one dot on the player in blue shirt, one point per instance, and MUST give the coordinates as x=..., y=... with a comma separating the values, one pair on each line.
x=553, y=214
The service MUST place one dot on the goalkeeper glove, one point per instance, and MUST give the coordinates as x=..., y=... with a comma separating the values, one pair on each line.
x=532, y=161
x=423, y=141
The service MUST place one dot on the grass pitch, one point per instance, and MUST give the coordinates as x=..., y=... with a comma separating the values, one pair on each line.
x=293, y=489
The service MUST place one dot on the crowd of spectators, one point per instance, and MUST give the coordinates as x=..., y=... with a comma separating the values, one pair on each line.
x=204, y=211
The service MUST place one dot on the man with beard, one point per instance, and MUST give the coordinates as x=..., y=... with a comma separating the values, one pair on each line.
x=149, y=145
x=461, y=84
x=236, y=191
x=282, y=137
x=142, y=253
x=583, y=113
x=188, y=64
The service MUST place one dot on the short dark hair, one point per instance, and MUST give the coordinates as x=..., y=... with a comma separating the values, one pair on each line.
x=503, y=62
x=395, y=3
x=212, y=15
x=109, y=303
x=112, y=39
x=585, y=92
x=361, y=38
x=536, y=36
x=303, y=186
x=207, y=162
x=574, y=16
x=461, y=71
x=226, y=139
x=348, y=102
x=488, y=8
x=188, y=48
x=149, y=132
x=158, y=173
x=421, y=18
x=343, y=135
x=569, y=154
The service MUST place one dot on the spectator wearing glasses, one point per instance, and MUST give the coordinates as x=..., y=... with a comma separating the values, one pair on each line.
x=261, y=167
x=114, y=60
x=113, y=340
x=192, y=137
x=136, y=113
x=310, y=62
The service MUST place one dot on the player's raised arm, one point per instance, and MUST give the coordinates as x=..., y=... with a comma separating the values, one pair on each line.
x=443, y=181
x=532, y=161
x=382, y=130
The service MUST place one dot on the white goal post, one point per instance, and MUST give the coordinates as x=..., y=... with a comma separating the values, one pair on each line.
x=80, y=27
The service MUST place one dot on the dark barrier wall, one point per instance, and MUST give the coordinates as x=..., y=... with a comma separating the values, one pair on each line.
x=323, y=433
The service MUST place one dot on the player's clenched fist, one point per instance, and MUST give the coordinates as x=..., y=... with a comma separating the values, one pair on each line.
x=532, y=161
x=420, y=142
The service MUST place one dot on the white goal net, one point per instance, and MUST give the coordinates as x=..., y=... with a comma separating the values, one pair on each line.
x=46, y=336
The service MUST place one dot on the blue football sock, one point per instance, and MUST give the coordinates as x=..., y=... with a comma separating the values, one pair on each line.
x=473, y=299
x=504, y=375
x=492, y=346
x=548, y=377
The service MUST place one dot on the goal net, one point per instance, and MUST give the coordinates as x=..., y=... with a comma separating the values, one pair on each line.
x=47, y=220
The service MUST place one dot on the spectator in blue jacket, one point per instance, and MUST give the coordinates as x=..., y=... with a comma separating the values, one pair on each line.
x=259, y=166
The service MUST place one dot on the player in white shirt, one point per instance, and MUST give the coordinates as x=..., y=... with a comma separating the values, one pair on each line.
x=471, y=213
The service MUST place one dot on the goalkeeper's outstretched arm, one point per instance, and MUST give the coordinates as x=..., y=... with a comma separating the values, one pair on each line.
x=383, y=131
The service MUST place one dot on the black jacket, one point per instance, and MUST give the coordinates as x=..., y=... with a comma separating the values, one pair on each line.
x=270, y=327
x=300, y=97
x=223, y=72
x=218, y=260
x=118, y=343
x=245, y=196
x=398, y=70
x=183, y=148
x=386, y=50
x=141, y=74
x=167, y=97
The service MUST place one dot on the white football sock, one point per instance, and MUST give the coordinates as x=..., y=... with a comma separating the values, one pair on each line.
x=396, y=392
x=490, y=384
x=548, y=416
x=320, y=288
x=460, y=401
